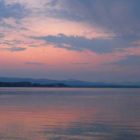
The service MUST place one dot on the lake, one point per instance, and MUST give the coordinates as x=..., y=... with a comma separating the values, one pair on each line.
x=69, y=114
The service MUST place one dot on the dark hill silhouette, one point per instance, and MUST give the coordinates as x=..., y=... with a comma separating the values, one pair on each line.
x=30, y=82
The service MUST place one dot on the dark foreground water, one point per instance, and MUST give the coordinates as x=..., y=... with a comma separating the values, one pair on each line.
x=69, y=114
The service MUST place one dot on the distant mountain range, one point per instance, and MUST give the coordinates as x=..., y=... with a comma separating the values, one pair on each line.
x=30, y=82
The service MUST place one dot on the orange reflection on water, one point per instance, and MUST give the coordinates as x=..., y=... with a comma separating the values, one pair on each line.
x=49, y=114
x=23, y=123
x=53, y=117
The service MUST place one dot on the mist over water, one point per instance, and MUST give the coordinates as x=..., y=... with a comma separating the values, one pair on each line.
x=69, y=114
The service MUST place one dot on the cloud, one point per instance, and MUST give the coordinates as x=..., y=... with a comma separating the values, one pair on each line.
x=131, y=60
x=1, y=35
x=15, y=10
x=81, y=43
x=14, y=49
x=21, y=29
x=110, y=14
x=30, y=4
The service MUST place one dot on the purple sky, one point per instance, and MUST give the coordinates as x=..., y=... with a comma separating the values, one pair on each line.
x=92, y=40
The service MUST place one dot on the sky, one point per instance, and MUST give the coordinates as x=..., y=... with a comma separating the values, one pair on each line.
x=90, y=40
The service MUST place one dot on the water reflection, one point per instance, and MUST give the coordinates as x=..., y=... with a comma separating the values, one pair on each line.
x=69, y=114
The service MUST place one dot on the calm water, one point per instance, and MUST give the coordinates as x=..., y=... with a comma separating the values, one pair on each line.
x=69, y=114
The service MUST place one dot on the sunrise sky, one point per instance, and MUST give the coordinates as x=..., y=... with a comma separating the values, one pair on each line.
x=92, y=40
